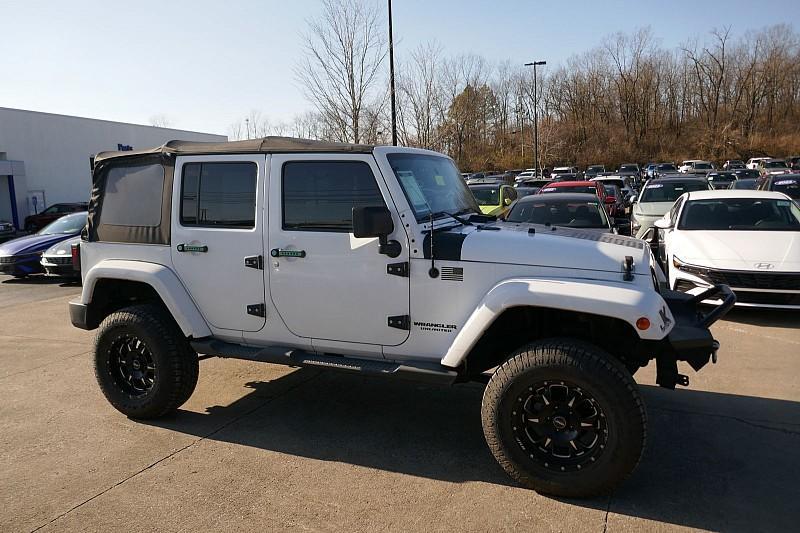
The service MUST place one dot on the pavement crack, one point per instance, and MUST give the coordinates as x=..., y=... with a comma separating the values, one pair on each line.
x=735, y=418
x=608, y=511
x=176, y=452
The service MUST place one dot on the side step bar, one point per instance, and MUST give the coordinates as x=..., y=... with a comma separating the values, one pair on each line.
x=427, y=372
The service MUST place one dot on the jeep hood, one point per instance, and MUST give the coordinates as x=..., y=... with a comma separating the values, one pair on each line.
x=538, y=245
x=772, y=251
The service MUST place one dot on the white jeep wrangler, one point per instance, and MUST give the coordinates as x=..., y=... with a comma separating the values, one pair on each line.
x=377, y=260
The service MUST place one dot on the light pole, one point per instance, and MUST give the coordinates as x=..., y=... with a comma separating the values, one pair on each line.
x=535, y=64
x=391, y=78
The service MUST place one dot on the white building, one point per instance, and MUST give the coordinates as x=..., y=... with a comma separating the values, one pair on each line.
x=45, y=158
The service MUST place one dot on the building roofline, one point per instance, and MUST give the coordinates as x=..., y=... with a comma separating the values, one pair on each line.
x=108, y=121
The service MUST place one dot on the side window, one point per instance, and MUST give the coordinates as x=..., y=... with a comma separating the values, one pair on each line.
x=321, y=195
x=219, y=195
x=133, y=196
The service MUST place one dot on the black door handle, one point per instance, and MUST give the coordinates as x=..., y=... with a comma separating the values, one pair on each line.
x=279, y=252
x=192, y=248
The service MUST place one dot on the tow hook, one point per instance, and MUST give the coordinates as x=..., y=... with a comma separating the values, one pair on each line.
x=682, y=380
x=714, y=349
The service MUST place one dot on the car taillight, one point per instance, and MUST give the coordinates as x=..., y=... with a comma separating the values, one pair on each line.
x=76, y=256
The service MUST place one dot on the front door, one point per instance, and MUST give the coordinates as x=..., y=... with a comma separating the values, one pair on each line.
x=217, y=225
x=325, y=283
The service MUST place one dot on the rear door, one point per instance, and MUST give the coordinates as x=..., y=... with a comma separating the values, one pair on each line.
x=217, y=225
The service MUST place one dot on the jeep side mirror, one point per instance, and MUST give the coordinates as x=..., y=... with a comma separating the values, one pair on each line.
x=376, y=221
x=372, y=221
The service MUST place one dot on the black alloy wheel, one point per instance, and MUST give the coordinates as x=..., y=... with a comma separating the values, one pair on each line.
x=131, y=365
x=560, y=424
x=143, y=362
x=564, y=417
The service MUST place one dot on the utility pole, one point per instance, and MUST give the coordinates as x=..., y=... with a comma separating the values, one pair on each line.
x=391, y=78
x=534, y=64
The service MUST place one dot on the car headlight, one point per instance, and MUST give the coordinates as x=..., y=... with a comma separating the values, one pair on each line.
x=677, y=263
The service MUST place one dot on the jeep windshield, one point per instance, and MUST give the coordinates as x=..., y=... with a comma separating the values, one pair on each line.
x=670, y=191
x=740, y=214
x=65, y=225
x=432, y=185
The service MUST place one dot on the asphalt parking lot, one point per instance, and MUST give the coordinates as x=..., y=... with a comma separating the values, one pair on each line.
x=265, y=447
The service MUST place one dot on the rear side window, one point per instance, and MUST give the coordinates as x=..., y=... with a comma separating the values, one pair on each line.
x=219, y=195
x=321, y=195
x=133, y=196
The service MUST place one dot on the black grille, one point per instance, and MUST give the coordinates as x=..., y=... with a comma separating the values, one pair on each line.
x=747, y=280
x=6, y=260
x=755, y=280
x=767, y=298
x=59, y=260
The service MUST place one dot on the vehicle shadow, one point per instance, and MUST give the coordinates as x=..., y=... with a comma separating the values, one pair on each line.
x=711, y=462
x=778, y=318
x=35, y=279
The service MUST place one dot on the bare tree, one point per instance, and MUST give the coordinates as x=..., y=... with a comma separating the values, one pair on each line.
x=160, y=121
x=344, y=52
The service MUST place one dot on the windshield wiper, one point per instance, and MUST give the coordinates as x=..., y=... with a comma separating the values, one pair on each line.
x=462, y=221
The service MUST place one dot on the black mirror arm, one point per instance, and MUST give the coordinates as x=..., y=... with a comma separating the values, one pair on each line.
x=386, y=247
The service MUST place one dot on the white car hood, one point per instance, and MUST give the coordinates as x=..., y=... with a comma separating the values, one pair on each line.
x=651, y=209
x=768, y=251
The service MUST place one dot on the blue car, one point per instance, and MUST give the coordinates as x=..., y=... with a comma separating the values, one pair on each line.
x=20, y=257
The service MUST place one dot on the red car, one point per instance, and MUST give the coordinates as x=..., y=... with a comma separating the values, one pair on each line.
x=34, y=223
x=591, y=187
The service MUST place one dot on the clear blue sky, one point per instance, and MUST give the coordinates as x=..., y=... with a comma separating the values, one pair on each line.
x=205, y=64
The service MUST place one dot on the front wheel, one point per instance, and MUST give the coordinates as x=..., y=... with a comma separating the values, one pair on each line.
x=563, y=418
x=143, y=363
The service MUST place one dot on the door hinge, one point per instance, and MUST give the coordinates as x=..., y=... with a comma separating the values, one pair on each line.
x=397, y=269
x=400, y=322
x=257, y=310
x=254, y=261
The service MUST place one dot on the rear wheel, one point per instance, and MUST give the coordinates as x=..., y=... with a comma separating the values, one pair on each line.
x=143, y=364
x=563, y=418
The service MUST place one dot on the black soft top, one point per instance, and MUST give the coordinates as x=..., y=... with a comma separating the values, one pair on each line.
x=263, y=145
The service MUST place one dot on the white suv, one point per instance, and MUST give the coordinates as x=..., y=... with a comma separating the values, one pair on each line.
x=377, y=260
x=753, y=162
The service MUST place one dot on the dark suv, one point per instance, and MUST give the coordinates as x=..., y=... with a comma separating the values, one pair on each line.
x=34, y=223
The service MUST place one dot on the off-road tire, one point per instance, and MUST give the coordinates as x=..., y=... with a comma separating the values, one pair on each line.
x=588, y=370
x=176, y=364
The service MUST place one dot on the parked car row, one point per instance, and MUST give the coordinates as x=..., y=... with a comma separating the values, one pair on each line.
x=50, y=250
x=735, y=227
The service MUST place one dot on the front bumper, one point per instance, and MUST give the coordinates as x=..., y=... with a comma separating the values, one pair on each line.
x=770, y=295
x=57, y=267
x=20, y=265
x=690, y=339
